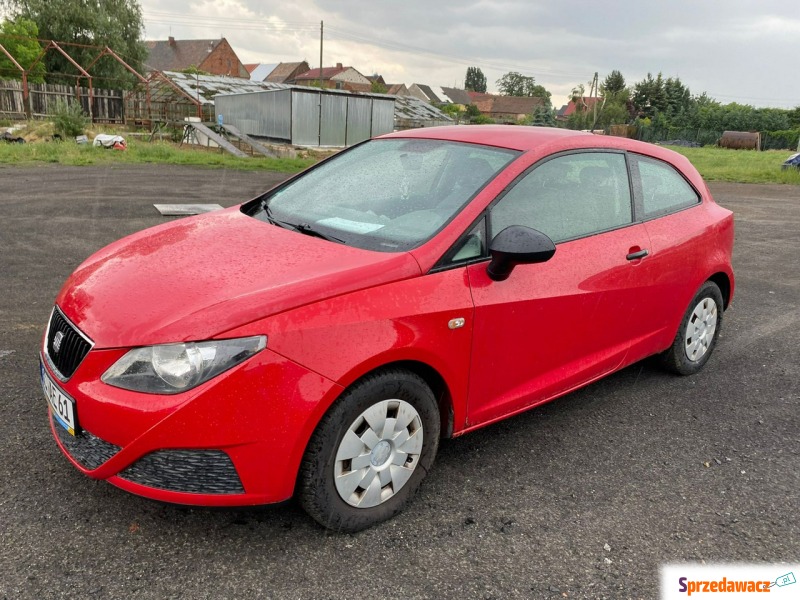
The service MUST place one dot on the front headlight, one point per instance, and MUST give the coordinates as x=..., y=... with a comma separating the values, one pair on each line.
x=175, y=368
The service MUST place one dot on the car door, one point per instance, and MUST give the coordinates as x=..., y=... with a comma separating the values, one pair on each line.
x=678, y=226
x=553, y=326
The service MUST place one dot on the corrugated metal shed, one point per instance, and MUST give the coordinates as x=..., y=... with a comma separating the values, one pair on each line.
x=309, y=117
x=403, y=112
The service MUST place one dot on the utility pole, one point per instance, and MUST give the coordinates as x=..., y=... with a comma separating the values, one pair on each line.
x=594, y=95
x=319, y=132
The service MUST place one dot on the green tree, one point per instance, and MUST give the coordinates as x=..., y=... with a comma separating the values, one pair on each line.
x=475, y=80
x=113, y=23
x=649, y=96
x=378, y=88
x=19, y=38
x=472, y=111
x=614, y=83
x=543, y=116
x=193, y=70
x=454, y=111
x=794, y=117
x=517, y=84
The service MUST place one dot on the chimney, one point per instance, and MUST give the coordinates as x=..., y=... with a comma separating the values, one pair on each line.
x=172, y=41
x=339, y=65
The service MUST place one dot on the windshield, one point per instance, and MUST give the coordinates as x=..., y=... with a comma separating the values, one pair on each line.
x=388, y=195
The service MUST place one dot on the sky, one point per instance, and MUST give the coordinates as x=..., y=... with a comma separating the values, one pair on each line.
x=734, y=50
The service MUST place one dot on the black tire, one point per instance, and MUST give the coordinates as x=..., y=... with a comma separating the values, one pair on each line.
x=316, y=489
x=676, y=359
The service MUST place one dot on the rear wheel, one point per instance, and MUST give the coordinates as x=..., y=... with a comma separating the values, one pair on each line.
x=370, y=452
x=698, y=332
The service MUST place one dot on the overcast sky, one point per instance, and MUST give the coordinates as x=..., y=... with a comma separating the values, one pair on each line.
x=735, y=50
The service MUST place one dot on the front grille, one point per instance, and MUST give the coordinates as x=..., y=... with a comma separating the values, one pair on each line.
x=88, y=450
x=195, y=471
x=66, y=346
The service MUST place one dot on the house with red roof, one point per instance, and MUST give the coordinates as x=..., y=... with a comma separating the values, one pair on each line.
x=338, y=78
x=584, y=103
x=216, y=57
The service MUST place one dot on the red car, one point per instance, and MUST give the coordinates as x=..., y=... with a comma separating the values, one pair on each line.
x=319, y=340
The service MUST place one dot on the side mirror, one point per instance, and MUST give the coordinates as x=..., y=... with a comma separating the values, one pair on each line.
x=517, y=245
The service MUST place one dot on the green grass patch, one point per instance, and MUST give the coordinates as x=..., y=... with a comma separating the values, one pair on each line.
x=742, y=166
x=141, y=152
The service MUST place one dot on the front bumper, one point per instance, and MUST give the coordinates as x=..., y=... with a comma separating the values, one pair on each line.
x=235, y=440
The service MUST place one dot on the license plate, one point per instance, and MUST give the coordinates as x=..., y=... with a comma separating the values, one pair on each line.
x=63, y=406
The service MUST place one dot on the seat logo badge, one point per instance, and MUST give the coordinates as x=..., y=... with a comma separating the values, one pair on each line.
x=59, y=337
x=456, y=323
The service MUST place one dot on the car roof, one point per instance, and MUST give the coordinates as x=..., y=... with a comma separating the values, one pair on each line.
x=515, y=137
x=544, y=141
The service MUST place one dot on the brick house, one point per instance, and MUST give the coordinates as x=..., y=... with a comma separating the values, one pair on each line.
x=212, y=56
x=508, y=108
x=338, y=77
x=286, y=72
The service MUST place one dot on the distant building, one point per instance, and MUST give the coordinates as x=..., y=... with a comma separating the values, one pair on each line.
x=212, y=56
x=337, y=78
x=397, y=89
x=260, y=72
x=585, y=102
x=286, y=72
x=457, y=96
x=508, y=108
x=424, y=92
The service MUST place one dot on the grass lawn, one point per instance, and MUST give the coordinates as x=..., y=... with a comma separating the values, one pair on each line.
x=141, y=152
x=744, y=166
x=714, y=164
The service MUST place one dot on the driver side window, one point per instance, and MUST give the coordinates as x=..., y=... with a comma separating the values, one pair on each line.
x=568, y=197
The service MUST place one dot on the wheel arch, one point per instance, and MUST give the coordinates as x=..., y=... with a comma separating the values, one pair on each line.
x=429, y=374
x=723, y=282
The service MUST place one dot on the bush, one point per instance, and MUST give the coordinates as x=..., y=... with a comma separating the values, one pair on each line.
x=483, y=120
x=786, y=139
x=68, y=119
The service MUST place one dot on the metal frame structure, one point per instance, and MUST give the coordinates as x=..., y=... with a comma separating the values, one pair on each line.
x=84, y=72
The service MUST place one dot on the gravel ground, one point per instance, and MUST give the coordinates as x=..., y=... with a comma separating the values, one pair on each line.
x=582, y=498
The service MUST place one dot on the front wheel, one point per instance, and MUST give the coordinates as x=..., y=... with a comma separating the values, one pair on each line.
x=370, y=452
x=698, y=332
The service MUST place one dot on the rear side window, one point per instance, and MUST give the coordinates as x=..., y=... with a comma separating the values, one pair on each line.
x=568, y=197
x=664, y=190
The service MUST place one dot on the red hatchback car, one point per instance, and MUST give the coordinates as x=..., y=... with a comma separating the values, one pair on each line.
x=319, y=340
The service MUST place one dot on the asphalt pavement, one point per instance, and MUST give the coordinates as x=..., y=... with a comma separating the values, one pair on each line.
x=582, y=498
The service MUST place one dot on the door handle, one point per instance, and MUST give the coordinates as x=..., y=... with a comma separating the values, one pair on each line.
x=637, y=255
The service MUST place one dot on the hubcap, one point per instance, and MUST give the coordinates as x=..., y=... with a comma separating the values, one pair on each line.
x=700, y=329
x=378, y=453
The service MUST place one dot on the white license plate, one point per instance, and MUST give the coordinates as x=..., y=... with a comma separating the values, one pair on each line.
x=63, y=406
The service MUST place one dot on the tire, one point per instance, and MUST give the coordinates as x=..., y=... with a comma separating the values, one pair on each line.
x=698, y=332
x=356, y=472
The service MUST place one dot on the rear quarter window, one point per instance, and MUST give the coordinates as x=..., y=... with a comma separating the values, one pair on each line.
x=664, y=190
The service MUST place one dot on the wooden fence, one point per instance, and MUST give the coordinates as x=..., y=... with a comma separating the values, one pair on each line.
x=107, y=106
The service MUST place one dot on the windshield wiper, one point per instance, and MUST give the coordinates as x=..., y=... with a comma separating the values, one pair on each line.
x=309, y=230
x=303, y=228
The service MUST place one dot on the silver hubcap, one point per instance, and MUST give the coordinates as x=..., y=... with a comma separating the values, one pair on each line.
x=378, y=454
x=700, y=329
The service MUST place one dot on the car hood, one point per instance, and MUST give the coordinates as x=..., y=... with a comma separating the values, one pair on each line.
x=198, y=277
